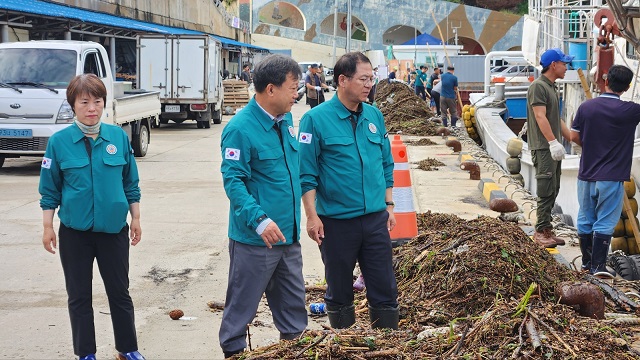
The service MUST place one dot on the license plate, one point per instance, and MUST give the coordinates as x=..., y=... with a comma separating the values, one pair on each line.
x=16, y=133
x=172, y=108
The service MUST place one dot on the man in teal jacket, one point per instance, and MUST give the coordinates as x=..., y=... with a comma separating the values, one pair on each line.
x=346, y=170
x=260, y=170
x=421, y=79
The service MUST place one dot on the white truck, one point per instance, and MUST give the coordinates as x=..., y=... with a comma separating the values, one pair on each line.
x=34, y=76
x=186, y=70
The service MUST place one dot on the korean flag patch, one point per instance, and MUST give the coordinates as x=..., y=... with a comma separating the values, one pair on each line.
x=231, y=154
x=46, y=163
x=305, y=138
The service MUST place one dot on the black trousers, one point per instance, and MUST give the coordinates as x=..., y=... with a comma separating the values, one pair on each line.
x=78, y=249
x=436, y=98
x=365, y=239
x=420, y=91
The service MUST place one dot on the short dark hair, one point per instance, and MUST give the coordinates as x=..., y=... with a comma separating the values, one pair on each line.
x=423, y=67
x=619, y=77
x=450, y=68
x=85, y=84
x=274, y=69
x=347, y=64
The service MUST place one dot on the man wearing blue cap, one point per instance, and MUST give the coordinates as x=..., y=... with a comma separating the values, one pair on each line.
x=544, y=128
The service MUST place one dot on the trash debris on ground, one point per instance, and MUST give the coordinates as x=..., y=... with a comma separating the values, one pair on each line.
x=429, y=164
x=421, y=142
x=471, y=289
x=403, y=110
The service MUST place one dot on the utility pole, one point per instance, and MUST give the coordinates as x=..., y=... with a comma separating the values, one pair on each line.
x=348, y=48
x=335, y=29
x=455, y=32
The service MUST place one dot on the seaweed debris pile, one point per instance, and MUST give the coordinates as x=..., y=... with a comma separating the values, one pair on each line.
x=470, y=289
x=421, y=142
x=429, y=164
x=403, y=110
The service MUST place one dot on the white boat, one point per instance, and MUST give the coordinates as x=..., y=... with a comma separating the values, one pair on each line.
x=568, y=25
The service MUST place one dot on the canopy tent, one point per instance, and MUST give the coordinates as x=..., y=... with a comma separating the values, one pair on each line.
x=423, y=39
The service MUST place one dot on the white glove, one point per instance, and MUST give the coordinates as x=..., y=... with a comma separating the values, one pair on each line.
x=318, y=88
x=331, y=88
x=557, y=150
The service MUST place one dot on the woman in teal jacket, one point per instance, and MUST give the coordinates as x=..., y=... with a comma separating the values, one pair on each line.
x=89, y=172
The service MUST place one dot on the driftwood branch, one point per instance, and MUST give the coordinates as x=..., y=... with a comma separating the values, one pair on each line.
x=614, y=294
x=533, y=334
x=516, y=352
x=311, y=345
x=554, y=333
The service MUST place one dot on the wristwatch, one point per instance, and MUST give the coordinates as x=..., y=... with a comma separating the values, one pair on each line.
x=390, y=203
x=261, y=219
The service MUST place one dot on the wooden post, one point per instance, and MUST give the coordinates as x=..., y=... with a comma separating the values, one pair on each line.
x=632, y=218
x=583, y=81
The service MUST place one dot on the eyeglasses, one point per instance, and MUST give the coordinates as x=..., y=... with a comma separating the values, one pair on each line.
x=365, y=80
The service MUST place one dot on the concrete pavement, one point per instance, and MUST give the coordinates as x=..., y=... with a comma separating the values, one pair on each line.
x=182, y=259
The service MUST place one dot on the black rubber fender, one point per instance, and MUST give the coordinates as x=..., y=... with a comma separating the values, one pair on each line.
x=623, y=266
x=634, y=261
x=567, y=219
x=557, y=209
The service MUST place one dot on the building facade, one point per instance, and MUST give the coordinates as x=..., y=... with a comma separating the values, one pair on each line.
x=377, y=24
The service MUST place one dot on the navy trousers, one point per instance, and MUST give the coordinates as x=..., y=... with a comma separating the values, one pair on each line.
x=364, y=239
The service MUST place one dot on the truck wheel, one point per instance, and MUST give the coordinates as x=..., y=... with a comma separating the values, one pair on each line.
x=200, y=124
x=1, y=161
x=216, y=115
x=203, y=118
x=140, y=143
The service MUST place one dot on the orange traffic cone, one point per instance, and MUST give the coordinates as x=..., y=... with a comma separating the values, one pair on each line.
x=406, y=220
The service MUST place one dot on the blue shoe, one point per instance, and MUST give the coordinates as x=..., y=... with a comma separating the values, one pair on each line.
x=88, y=357
x=134, y=355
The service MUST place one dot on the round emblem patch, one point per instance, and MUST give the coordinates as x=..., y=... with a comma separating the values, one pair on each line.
x=111, y=149
x=373, y=128
x=291, y=131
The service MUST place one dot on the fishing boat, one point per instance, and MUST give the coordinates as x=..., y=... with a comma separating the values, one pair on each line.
x=592, y=33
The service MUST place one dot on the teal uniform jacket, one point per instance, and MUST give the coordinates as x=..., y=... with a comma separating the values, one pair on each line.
x=420, y=78
x=92, y=193
x=261, y=175
x=349, y=171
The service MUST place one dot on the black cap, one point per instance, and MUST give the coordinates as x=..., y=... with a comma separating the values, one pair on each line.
x=450, y=68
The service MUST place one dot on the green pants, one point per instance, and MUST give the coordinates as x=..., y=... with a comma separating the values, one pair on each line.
x=548, y=185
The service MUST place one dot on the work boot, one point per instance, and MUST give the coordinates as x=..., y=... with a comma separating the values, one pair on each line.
x=549, y=233
x=599, y=253
x=341, y=317
x=289, y=336
x=542, y=239
x=586, y=244
x=134, y=355
x=228, y=354
x=384, y=318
